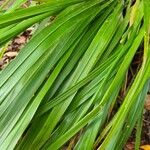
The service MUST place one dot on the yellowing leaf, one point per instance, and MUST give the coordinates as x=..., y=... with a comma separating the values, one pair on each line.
x=145, y=147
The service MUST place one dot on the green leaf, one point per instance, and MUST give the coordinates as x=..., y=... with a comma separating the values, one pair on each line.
x=19, y=15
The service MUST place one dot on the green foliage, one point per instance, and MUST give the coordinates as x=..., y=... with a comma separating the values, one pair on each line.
x=68, y=77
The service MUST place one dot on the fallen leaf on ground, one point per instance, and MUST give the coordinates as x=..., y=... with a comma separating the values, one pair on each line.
x=145, y=147
x=20, y=40
x=11, y=54
x=147, y=103
x=1, y=62
x=129, y=146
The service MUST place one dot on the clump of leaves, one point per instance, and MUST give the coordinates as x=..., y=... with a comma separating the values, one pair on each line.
x=68, y=77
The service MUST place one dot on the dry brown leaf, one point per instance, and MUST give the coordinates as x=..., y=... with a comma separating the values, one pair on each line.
x=129, y=146
x=1, y=62
x=20, y=40
x=145, y=147
x=147, y=103
x=11, y=54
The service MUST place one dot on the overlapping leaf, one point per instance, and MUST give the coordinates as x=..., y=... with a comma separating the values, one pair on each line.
x=68, y=77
